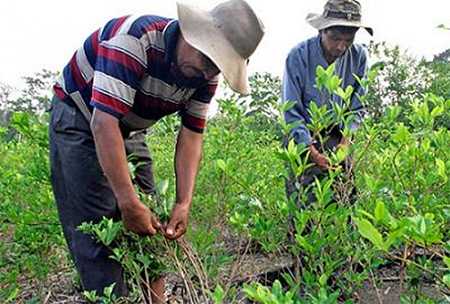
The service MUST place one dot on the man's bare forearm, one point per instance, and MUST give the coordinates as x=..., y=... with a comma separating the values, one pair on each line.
x=187, y=162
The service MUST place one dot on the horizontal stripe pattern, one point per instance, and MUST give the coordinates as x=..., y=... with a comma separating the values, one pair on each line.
x=197, y=109
x=122, y=69
x=127, y=47
x=114, y=88
x=132, y=120
x=156, y=88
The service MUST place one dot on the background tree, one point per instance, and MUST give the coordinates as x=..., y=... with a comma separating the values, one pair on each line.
x=440, y=85
x=401, y=79
x=33, y=99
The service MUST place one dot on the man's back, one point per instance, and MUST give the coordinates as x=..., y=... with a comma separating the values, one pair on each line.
x=126, y=69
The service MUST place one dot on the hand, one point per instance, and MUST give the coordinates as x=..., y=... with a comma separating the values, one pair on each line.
x=345, y=143
x=178, y=221
x=345, y=146
x=319, y=158
x=137, y=217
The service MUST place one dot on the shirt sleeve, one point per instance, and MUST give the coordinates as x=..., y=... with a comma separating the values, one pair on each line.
x=292, y=90
x=355, y=103
x=195, y=113
x=121, y=64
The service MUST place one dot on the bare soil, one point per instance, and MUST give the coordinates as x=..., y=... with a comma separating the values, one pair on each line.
x=62, y=287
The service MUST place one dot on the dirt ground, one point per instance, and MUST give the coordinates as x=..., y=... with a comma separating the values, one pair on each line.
x=61, y=288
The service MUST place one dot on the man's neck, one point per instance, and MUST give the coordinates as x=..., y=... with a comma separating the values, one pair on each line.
x=327, y=56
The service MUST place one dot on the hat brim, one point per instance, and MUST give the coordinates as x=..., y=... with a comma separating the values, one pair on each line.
x=197, y=28
x=319, y=22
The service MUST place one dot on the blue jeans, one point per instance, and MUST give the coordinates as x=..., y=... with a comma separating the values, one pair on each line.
x=83, y=194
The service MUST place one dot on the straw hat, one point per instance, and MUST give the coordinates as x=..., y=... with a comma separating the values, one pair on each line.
x=338, y=13
x=228, y=35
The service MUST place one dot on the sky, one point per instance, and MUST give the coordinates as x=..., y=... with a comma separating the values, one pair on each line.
x=44, y=34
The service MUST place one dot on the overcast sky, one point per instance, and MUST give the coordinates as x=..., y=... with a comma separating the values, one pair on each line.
x=44, y=34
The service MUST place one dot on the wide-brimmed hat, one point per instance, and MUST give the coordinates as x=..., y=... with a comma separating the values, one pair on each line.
x=339, y=13
x=228, y=35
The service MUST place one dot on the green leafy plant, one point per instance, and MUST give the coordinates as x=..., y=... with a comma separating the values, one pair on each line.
x=329, y=252
x=264, y=295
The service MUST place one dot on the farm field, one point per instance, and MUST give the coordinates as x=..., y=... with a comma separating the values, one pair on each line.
x=247, y=242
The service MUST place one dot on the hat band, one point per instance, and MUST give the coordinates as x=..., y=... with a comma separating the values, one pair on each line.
x=342, y=15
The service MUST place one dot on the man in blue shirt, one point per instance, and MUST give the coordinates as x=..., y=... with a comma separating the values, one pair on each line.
x=337, y=27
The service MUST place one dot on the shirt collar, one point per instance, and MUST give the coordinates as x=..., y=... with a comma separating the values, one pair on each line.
x=171, y=34
x=319, y=45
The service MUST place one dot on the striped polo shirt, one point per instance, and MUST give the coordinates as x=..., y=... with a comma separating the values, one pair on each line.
x=127, y=69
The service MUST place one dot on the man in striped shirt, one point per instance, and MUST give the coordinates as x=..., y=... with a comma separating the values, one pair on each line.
x=124, y=78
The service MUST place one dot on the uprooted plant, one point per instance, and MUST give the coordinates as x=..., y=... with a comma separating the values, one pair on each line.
x=144, y=259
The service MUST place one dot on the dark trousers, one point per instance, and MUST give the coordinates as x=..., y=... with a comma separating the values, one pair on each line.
x=332, y=139
x=83, y=194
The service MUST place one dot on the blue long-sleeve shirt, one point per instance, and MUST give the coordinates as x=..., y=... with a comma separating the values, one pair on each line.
x=299, y=83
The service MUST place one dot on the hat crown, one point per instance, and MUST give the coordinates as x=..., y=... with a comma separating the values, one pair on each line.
x=228, y=35
x=239, y=25
x=339, y=13
x=343, y=9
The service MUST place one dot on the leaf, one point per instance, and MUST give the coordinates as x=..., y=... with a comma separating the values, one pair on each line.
x=437, y=111
x=303, y=243
x=287, y=105
x=423, y=227
x=218, y=295
x=276, y=289
x=441, y=169
x=426, y=144
x=222, y=165
x=281, y=154
x=367, y=230
x=393, y=236
x=380, y=211
x=334, y=83
x=13, y=295
x=109, y=290
x=323, y=279
x=446, y=260
x=402, y=134
x=91, y=295
x=365, y=213
x=446, y=279
x=404, y=299
x=261, y=292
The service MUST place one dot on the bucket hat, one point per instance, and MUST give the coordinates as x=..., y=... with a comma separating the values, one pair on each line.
x=228, y=34
x=339, y=13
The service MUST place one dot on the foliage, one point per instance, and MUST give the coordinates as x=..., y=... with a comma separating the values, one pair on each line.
x=442, y=26
x=264, y=295
x=404, y=201
x=401, y=78
x=440, y=86
x=240, y=208
x=31, y=246
x=262, y=103
x=34, y=99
